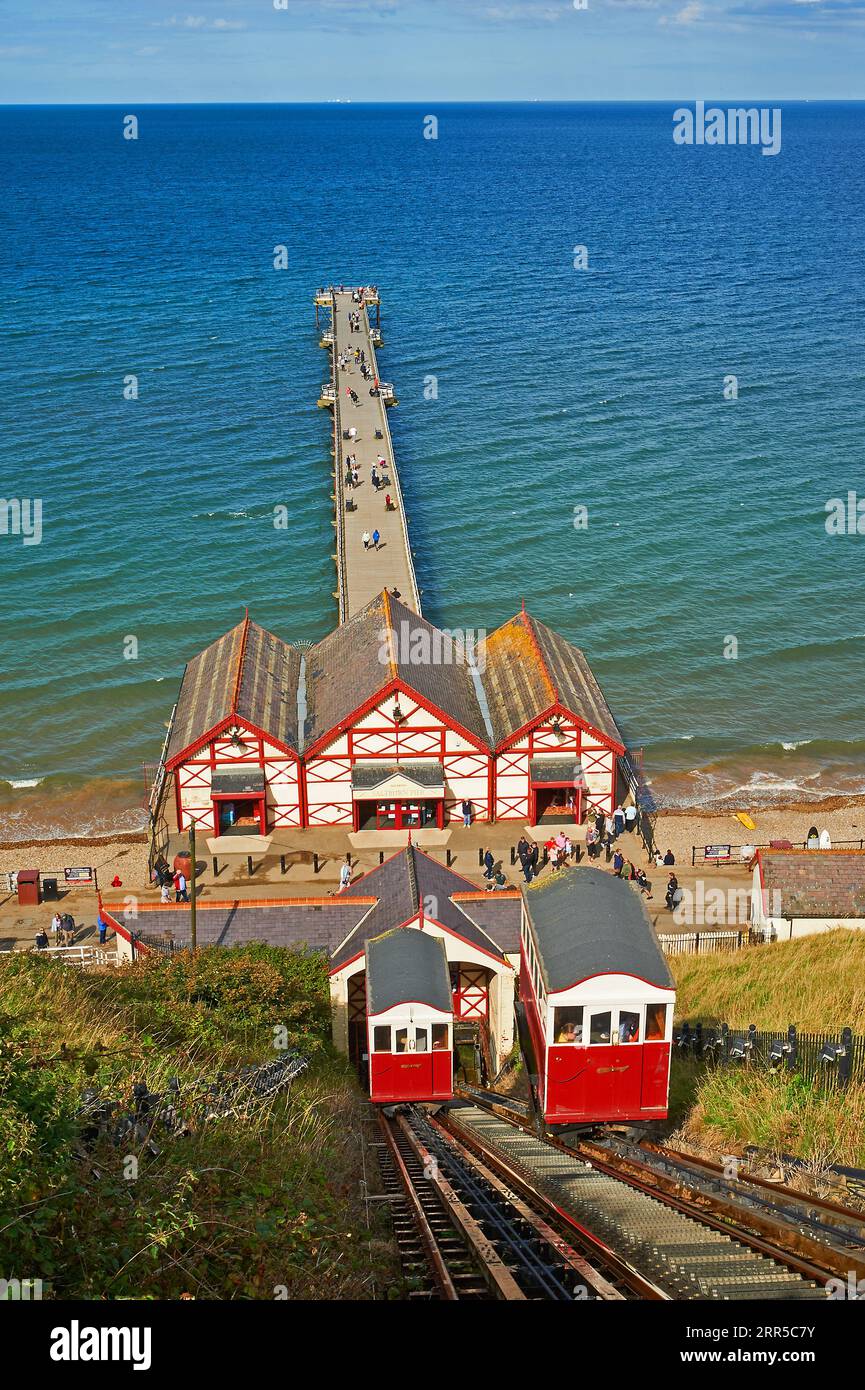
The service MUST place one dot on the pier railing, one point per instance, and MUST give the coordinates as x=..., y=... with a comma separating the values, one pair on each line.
x=415, y=593
x=339, y=487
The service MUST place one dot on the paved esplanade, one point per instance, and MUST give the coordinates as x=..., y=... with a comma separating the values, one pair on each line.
x=364, y=573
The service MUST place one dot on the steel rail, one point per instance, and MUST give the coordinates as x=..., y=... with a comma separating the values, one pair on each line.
x=708, y=1272
x=592, y=1278
x=441, y=1275
x=499, y=1277
x=623, y=1270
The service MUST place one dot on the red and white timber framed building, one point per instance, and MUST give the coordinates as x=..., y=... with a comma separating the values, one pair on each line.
x=557, y=746
x=388, y=723
x=232, y=751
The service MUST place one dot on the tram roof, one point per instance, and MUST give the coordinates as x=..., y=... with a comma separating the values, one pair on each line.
x=407, y=964
x=585, y=922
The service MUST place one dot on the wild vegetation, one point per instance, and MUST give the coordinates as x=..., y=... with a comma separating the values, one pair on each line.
x=816, y=983
x=266, y=1203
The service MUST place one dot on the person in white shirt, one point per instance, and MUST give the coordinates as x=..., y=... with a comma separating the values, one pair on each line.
x=631, y=816
x=166, y=891
x=55, y=923
x=345, y=874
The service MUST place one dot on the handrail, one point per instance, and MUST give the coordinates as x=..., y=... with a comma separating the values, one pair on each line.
x=395, y=471
x=339, y=490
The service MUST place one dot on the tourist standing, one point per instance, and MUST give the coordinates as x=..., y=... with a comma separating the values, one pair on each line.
x=467, y=813
x=618, y=822
x=102, y=926
x=345, y=874
x=672, y=890
x=631, y=818
x=489, y=863
x=618, y=863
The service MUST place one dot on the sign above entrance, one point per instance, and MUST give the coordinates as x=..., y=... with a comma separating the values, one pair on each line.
x=394, y=781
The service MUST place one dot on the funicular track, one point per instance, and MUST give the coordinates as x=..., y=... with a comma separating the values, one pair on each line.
x=463, y=1233
x=686, y=1244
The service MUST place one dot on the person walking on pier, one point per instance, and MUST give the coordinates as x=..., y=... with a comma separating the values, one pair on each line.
x=345, y=874
x=376, y=538
x=374, y=478
x=489, y=863
x=365, y=539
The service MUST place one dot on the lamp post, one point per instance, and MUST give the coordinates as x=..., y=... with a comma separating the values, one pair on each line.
x=192, y=888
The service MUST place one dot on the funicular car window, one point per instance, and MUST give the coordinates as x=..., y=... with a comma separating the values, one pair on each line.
x=381, y=1038
x=401, y=1040
x=568, y=1024
x=629, y=1026
x=599, y=1028
x=656, y=1022
x=421, y=1040
x=440, y=1037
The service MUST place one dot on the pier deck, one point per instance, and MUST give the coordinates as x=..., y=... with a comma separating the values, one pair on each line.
x=362, y=574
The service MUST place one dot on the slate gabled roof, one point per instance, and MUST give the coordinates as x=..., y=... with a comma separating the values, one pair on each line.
x=407, y=964
x=382, y=643
x=587, y=922
x=526, y=669
x=402, y=884
x=814, y=883
x=247, y=674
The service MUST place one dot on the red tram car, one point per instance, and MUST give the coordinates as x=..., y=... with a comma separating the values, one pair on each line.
x=409, y=1017
x=598, y=998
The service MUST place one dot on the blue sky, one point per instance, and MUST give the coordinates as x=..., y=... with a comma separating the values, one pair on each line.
x=425, y=50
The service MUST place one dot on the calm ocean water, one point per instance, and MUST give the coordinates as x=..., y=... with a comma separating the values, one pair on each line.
x=557, y=388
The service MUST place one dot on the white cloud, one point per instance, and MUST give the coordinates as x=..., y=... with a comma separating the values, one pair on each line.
x=689, y=14
x=199, y=21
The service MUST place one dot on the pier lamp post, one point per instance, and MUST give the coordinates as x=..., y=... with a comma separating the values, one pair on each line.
x=192, y=888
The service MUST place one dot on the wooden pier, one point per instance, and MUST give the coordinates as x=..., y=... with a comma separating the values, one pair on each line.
x=361, y=573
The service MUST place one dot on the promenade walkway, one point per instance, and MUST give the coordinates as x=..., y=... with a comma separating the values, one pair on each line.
x=362, y=574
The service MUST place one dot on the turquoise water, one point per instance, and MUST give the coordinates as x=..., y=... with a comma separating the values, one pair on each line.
x=557, y=388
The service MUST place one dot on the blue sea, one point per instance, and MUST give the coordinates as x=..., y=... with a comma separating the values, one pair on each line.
x=725, y=625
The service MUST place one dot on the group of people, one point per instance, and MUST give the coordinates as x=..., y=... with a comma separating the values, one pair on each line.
x=172, y=879
x=493, y=874
x=624, y=868
x=529, y=856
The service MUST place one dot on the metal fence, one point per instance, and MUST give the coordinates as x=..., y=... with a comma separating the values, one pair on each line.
x=137, y=1122
x=829, y=1059
x=699, y=855
x=698, y=943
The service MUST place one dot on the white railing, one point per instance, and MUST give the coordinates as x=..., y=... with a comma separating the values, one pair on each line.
x=72, y=955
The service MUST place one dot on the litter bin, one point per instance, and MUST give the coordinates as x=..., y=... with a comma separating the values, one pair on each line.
x=49, y=890
x=28, y=888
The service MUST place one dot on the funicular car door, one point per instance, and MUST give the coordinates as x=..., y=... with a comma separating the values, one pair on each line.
x=402, y=1070
x=614, y=1072
x=654, y=1094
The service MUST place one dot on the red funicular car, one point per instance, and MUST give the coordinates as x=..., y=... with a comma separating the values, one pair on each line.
x=409, y=1017
x=598, y=999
